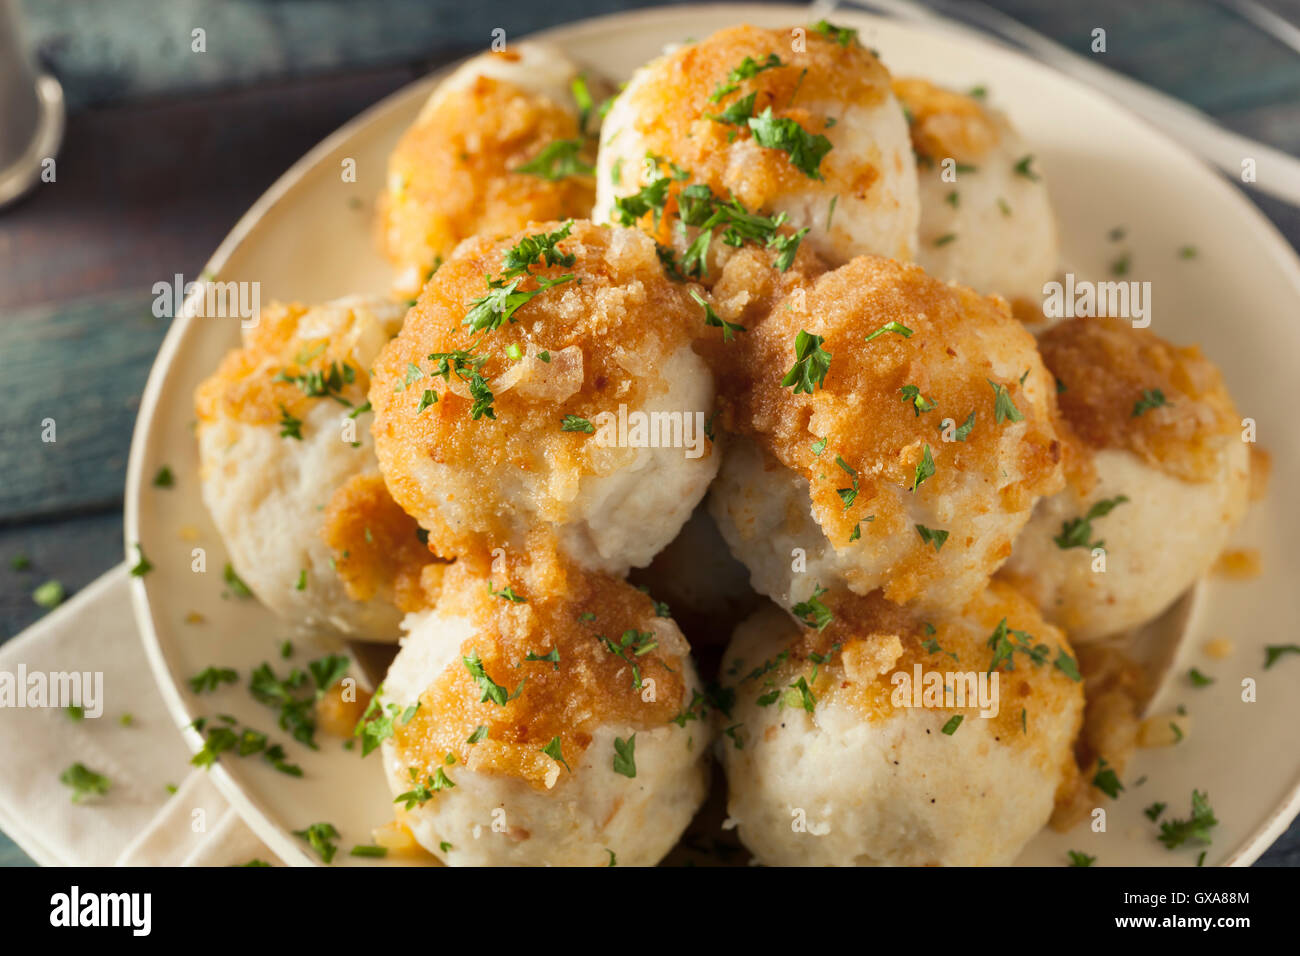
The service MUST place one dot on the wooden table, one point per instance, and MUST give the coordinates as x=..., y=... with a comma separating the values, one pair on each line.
x=162, y=156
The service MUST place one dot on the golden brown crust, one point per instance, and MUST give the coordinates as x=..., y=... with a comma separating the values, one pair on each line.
x=607, y=332
x=1114, y=686
x=452, y=173
x=563, y=610
x=375, y=543
x=871, y=639
x=1106, y=367
x=250, y=385
x=945, y=124
x=674, y=106
x=860, y=410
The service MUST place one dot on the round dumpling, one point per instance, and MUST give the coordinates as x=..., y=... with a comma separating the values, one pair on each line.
x=888, y=739
x=544, y=716
x=500, y=143
x=289, y=473
x=893, y=431
x=1162, y=479
x=758, y=135
x=986, y=219
x=558, y=402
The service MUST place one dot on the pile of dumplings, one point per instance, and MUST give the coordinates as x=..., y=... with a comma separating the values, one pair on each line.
x=751, y=333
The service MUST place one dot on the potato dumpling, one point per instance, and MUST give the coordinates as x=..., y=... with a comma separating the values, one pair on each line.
x=1162, y=479
x=558, y=402
x=892, y=431
x=498, y=144
x=289, y=474
x=543, y=715
x=837, y=757
x=752, y=124
x=986, y=219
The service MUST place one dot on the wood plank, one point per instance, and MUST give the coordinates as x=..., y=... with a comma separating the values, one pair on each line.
x=83, y=366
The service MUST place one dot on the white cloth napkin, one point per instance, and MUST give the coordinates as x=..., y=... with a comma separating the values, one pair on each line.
x=138, y=822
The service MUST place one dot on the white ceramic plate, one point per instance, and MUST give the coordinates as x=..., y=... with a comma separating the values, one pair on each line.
x=310, y=238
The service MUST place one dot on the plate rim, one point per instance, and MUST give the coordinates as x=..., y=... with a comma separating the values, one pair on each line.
x=1284, y=256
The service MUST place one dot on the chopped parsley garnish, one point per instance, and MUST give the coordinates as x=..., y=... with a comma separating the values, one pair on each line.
x=963, y=430
x=1151, y=398
x=429, y=397
x=366, y=850
x=1006, y=641
x=649, y=198
x=1081, y=859
x=234, y=582
x=1076, y=532
x=507, y=593
x=713, y=320
x=422, y=793
x=919, y=402
x=749, y=68
x=841, y=35
x=1067, y=665
x=164, y=478
x=558, y=160
x=492, y=691
x=1106, y=780
x=539, y=247
x=582, y=97
x=1198, y=679
x=946, y=238
x=210, y=678
x=574, y=423
x=924, y=468
x=896, y=327
x=323, y=383
x=951, y=726
x=142, y=566
x=932, y=536
x=625, y=756
x=811, y=363
x=504, y=299
x=1153, y=812
x=1004, y=409
x=1197, y=827
x=1273, y=652
x=49, y=595
x=290, y=427
x=555, y=751
x=738, y=113
x=806, y=150
x=1022, y=168
x=551, y=657
x=84, y=782
x=813, y=612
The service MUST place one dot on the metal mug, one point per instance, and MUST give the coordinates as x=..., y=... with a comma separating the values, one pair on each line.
x=31, y=112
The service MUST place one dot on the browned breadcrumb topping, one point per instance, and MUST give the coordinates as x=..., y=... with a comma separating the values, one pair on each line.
x=1238, y=564
x=376, y=546
x=565, y=611
x=1261, y=470
x=452, y=174
x=606, y=334
x=1114, y=688
x=871, y=639
x=859, y=409
x=945, y=124
x=1107, y=367
x=250, y=385
x=674, y=105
